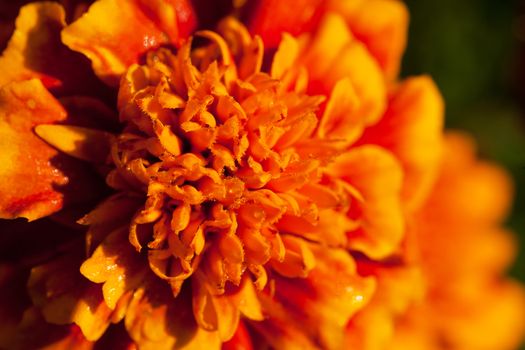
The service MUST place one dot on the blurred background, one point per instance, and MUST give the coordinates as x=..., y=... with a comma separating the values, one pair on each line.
x=475, y=51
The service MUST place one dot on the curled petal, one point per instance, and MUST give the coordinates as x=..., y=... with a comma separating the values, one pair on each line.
x=156, y=320
x=214, y=312
x=340, y=122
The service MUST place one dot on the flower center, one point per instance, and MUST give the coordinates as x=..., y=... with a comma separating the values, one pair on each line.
x=212, y=142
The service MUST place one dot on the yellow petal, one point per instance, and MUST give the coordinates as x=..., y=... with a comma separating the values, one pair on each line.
x=83, y=143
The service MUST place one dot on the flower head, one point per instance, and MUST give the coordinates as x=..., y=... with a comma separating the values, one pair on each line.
x=261, y=181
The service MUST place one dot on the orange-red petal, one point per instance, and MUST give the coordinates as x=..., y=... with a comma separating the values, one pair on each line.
x=30, y=181
x=271, y=18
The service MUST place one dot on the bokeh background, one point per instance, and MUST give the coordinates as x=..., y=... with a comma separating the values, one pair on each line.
x=475, y=51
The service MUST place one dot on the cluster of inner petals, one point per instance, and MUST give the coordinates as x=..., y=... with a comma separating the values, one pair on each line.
x=226, y=157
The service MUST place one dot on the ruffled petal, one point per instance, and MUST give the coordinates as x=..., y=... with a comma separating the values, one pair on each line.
x=334, y=54
x=381, y=25
x=113, y=34
x=320, y=310
x=376, y=174
x=412, y=130
x=36, y=51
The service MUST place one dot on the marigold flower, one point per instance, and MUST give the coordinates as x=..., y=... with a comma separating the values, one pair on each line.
x=231, y=182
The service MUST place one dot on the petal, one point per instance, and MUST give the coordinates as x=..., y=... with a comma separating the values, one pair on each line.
x=157, y=321
x=114, y=33
x=271, y=18
x=30, y=181
x=399, y=287
x=36, y=51
x=64, y=296
x=376, y=174
x=82, y=143
x=477, y=193
x=340, y=122
x=37, y=180
x=115, y=264
x=33, y=332
x=241, y=340
x=214, y=312
x=334, y=54
x=381, y=25
x=412, y=129
x=319, y=306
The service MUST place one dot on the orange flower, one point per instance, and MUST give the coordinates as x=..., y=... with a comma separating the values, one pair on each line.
x=258, y=189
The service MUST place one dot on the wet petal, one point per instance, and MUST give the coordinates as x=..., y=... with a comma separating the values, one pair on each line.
x=115, y=264
x=30, y=179
x=65, y=297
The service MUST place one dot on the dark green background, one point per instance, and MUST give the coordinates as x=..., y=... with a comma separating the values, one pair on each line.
x=475, y=51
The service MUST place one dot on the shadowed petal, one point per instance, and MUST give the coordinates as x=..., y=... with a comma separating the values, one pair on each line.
x=36, y=51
